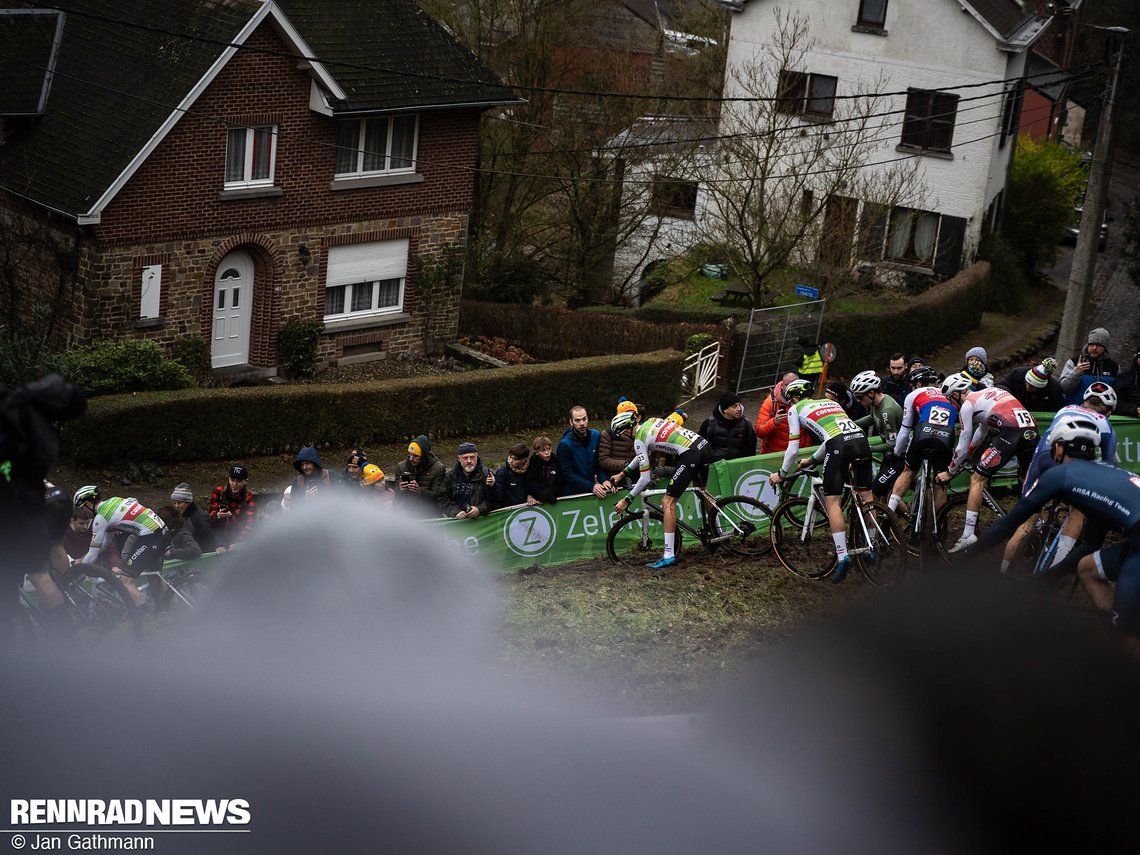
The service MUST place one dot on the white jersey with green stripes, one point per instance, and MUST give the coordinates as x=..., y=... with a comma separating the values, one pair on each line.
x=657, y=435
x=118, y=514
x=823, y=420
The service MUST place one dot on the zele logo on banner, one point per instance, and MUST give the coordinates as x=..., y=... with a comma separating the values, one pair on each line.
x=529, y=531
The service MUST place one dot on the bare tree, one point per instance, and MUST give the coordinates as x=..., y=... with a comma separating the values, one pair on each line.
x=790, y=181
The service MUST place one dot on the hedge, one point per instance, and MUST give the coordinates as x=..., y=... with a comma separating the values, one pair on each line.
x=218, y=424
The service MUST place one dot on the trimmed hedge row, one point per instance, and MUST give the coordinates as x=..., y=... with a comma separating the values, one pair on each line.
x=553, y=334
x=218, y=424
x=673, y=314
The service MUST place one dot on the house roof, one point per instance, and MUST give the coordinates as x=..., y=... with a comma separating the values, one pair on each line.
x=27, y=55
x=127, y=69
x=1008, y=19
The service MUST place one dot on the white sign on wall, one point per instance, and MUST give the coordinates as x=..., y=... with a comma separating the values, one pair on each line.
x=151, y=290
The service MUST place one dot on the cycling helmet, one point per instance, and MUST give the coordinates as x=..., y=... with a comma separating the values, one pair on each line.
x=90, y=493
x=622, y=421
x=864, y=382
x=1078, y=437
x=797, y=389
x=370, y=474
x=924, y=375
x=957, y=383
x=1102, y=392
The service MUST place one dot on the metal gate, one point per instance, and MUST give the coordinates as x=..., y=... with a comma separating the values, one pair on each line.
x=699, y=373
x=770, y=345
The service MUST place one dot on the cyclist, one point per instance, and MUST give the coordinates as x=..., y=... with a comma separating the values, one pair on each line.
x=927, y=431
x=126, y=515
x=1099, y=402
x=883, y=412
x=693, y=454
x=1109, y=497
x=998, y=429
x=842, y=448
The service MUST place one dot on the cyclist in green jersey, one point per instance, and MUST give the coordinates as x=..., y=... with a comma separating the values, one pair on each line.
x=842, y=446
x=693, y=454
x=130, y=516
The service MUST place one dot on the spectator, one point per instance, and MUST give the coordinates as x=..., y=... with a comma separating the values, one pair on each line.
x=466, y=485
x=1091, y=364
x=312, y=478
x=232, y=508
x=1128, y=389
x=180, y=542
x=895, y=381
x=357, y=460
x=373, y=484
x=614, y=451
x=417, y=480
x=772, y=420
x=838, y=391
x=510, y=479
x=543, y=480
x=810, y=365
x=677, y=417
x=578, y=456
x=1034, y=386
x=77, y=540
x=976, y=368
x=182, y=500
x=730, y=435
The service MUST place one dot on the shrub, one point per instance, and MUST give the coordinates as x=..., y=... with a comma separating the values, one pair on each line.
x=193, y=353
x=697, y=342
x=25, y=355
x=298, y=345
x=124, y=365
x=1007, y=268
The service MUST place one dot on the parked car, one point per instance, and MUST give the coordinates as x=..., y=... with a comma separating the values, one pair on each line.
x=1074, y=229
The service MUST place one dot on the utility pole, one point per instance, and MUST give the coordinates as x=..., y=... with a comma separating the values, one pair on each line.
x=1074, y=323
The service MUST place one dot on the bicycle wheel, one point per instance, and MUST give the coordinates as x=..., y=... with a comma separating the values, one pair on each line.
x=806, y=548
x=636, y=537
x=744, y=522
x=952, y=520
x=886, y=563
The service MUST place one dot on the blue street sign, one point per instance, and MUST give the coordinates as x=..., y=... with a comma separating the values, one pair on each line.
x=807, y=291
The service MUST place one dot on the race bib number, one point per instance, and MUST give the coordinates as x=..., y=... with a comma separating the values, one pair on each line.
x=1024, y=418
x=939, y=416
x=847, y=426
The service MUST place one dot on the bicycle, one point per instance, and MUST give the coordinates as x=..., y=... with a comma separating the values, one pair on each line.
x=739, y=523
x=800, y=535
x=95, y=606
x=922, y=524
x=952, y=517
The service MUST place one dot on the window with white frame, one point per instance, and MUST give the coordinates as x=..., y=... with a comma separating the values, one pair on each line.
x=251, y=155
x=375, y=146
x=365, y=279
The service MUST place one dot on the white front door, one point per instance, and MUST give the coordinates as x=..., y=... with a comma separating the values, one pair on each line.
x=233, y=298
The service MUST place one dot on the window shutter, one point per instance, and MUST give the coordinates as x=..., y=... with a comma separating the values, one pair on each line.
x=367, y=262
x=951, y=236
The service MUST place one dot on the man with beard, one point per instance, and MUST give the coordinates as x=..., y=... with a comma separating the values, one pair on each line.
x=578, y=456
x=465, y=485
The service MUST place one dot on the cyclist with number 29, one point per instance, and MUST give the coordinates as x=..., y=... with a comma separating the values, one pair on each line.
x=927, y=430
x=995, y=427
x=693, y=454
x=843, y=447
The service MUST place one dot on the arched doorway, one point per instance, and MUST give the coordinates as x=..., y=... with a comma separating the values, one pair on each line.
x=233, y=304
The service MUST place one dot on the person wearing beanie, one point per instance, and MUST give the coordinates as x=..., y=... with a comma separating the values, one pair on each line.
x=615, y=450
x=1091, y=364
x=838, y=391
x=182, y=500
x=357, y=460
x=730, y=435
x=976, y=369
x=232, y=509
x=677, y=417
x=417, y=480
x=1035, y=386
x=312, y=478
x=465, y=486
x=1128, y=389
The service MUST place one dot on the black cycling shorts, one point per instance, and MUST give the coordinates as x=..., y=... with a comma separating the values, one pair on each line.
x=937, y=444
x=1002, y=446
x=842, y=453
x=692, y=466
x=145, y=556
x=1122, y=561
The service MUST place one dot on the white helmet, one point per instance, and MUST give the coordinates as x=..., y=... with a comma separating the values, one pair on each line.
x=956, y=383
x=1078, y=436
x=1102, y=392
x=864, y=382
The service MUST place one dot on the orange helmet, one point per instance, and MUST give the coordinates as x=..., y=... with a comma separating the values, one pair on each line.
x=371, y=474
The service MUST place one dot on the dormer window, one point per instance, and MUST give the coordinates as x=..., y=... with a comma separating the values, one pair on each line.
x=376, y=146
x=251, y=155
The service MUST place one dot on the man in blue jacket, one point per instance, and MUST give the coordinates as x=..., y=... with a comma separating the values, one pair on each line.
x=578, y=456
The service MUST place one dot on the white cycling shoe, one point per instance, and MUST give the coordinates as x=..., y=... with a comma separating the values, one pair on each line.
x=965, y=542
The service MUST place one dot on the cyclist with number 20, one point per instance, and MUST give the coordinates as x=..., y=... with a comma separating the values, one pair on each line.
x=842, y=446
x=693, y=454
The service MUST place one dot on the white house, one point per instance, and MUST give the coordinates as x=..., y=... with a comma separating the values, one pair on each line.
x=950, y=72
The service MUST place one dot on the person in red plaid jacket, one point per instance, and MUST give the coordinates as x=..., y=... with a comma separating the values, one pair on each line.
x=232, y=508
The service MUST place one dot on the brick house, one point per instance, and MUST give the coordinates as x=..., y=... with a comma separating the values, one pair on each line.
x=215, y=167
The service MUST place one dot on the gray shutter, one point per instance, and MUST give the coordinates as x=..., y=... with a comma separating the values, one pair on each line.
x=951, y=235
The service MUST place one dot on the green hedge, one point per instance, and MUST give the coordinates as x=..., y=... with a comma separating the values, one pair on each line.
x=670, y=314
x=219, y=424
